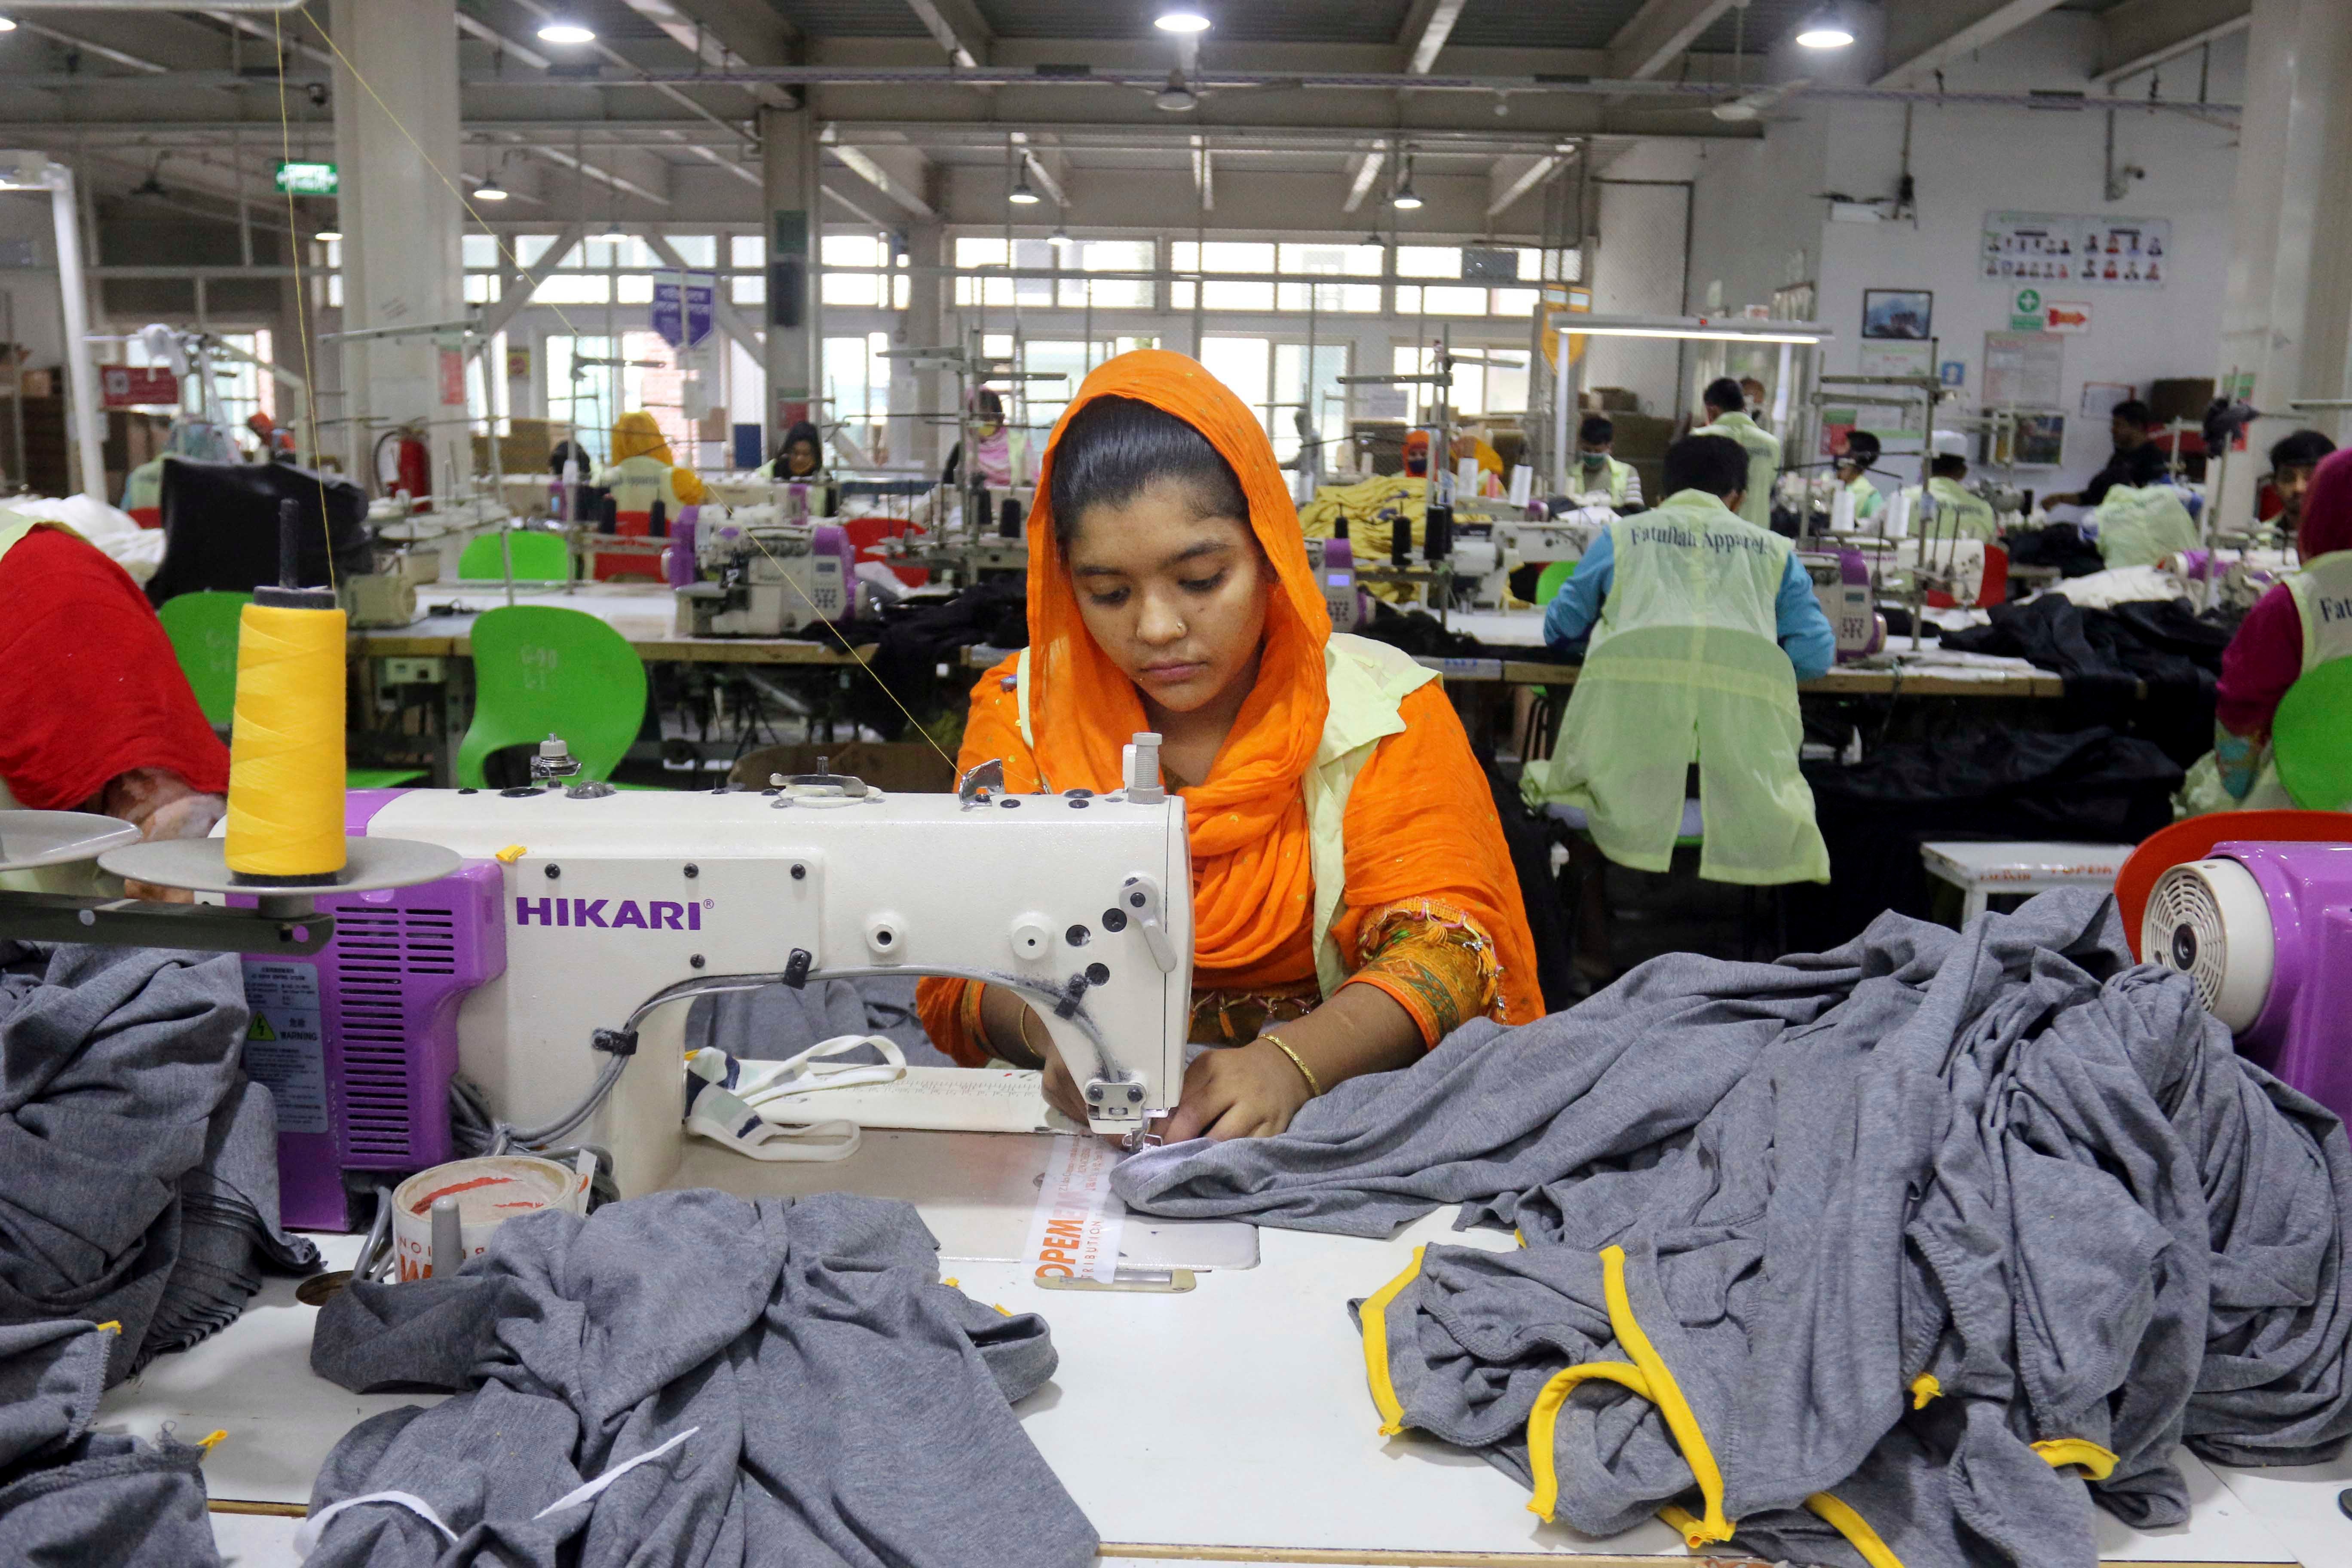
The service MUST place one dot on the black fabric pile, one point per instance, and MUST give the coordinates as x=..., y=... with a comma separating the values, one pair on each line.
x=2061, y=544
x=2105, y=654
x=916, y=639
x=1981, y=782
x=1890, y=1248
x=696, y=1380
x=138, y=1163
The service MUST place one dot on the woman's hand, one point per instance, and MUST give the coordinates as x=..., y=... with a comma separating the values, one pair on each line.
x=1061, y=1088
x=1247, y=1091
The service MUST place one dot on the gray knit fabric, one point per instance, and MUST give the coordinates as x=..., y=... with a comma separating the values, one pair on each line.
x=845, y=1407
x=2005, y=1158
x=71, y=1496
x=138, y=1165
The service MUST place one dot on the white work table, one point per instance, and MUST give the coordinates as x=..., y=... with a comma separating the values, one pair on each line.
x=1230, y=1423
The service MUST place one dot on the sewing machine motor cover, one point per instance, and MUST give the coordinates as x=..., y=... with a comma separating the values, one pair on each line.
x=606, y=901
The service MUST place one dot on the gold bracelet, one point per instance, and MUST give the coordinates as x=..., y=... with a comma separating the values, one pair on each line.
x=1315, y=1089
x=1036, y=1055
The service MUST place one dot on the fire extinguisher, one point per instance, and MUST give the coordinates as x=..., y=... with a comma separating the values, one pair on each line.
x=410, y=472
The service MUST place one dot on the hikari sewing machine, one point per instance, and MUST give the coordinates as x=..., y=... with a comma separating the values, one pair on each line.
x=765, y=580
x=616, y=908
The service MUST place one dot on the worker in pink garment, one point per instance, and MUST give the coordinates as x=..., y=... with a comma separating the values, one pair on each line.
x=2301, y=624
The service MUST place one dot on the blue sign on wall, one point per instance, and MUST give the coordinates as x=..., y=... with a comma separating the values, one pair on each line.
x=682, y=308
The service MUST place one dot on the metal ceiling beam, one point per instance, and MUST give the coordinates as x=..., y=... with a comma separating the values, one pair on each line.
x=475, y=27
x=1367, y=172
x=518, y=284
x=690, y=33
x=659, y=81
x=1037, y=169
x=603, y=175
x=875, y=174
x=1535, y=175
x=1923, y=38
x=711, y=156
x=1653, y=36
x=1435, y=20
x=277, y=32
x=89, y=47
x=1204, y=173
x=854, y=210
x=2141, y=34
x=957, y=26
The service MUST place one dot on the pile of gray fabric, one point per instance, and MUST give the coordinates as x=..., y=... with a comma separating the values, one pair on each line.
x=692, y=1379
x=138, y=1163
x=1887, y=1248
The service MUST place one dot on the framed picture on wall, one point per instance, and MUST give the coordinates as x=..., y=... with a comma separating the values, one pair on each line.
x=1906, y=314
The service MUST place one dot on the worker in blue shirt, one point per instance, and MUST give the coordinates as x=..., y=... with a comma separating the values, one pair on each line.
x=1798, y=624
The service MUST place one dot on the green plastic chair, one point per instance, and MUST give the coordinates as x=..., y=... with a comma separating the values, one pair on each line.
x=538, y=671
x=2311, y=738
x=538, y=558
x=1555, y=576
x=203, y=629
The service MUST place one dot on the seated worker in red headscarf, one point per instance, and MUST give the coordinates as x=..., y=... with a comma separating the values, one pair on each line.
x=95, y=714
x=2294, y=628
x=1353, y=898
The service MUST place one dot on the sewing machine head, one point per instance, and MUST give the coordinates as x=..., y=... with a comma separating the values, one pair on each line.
x=1081, y=902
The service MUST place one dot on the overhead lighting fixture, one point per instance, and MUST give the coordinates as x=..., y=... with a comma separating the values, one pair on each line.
x=1405, y=200
x=1023, y=196
x=1177, y=96
x=7, y=24
x=1181, y=19
x=1825, y=30
x=1059, y=239
x=563, y=30
x=329, y=235
x=489, y=190
x=611, y=237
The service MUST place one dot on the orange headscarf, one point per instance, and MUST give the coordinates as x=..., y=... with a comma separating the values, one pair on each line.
x=1419, y=822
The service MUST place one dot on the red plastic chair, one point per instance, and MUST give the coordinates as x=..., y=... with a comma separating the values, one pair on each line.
x=867, y=535
x=2192, y=838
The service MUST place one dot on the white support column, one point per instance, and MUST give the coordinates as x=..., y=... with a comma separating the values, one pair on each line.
x=923, y=388
x=788, y=142
x=2287, y=318
x=81, y=369
x=400, y=221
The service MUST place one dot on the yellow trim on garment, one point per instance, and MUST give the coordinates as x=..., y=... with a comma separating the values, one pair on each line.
x=1545, y=1417
x=1376, y=1348
x=1680, y=1419
x=1520, y=1236
x=1924, y=1390
x=2061, y=1451
x=1682, y=1521
x=1855, y=1529
x=211, y=1440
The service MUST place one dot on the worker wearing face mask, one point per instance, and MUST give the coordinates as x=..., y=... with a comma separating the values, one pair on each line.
x=1726, y=415
x=1598, y=469
x=1959, y=514
x=1854, y=476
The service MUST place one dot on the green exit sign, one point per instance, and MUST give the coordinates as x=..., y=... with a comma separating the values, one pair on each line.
x=298, y=179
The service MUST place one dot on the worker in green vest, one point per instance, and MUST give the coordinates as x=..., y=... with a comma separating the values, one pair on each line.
x=1959, y=514
x=1853, y=466
x=1701, y=624
x=1726, y=415
x=1598, y=469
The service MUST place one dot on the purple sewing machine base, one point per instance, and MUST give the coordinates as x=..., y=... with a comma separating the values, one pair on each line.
x=2303, y=1034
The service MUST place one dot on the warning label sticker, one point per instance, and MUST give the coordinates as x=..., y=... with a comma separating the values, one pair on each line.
x=283, y=1045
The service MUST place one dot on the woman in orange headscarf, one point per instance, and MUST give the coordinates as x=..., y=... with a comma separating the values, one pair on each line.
x=1353, y=899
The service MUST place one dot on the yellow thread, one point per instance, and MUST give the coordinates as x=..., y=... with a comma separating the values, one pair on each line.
x=2062, y=1451
x=286, y=754
x=514, y=852
x=1520, y=1236
x=1544, y=1418
x=950, y=1282
x=1680, y=1420
x=1376, y=1348
x=1001, y=1308
x=1923, y=1390
x=109, y=1327
x=1855, y=1529
x=206, y=1443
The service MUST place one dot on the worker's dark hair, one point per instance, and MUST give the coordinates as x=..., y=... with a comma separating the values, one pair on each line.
x=1596, y=430
x=1115, y=448
x=570, y=451
x=2303, y=449
x=985, y=401
x=1724, y=394
x=1861, y=447
x=1716, y=464
x=802, y=430
x=1949, y=465
x=2133, y=411
x=2145, y=465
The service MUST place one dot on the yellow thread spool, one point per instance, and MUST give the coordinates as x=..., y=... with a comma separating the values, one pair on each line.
x=286, y=758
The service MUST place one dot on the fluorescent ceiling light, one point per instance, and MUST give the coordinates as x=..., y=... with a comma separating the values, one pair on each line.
x=1825, y=30
x=489, y=190
x=1181, y=19
x=562, y=30
x=332, y=236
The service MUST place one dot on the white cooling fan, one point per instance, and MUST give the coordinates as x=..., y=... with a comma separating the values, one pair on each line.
x=2208, y=919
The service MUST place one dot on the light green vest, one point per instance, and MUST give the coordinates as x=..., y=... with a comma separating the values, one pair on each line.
x=1368, y=682
x=1869, y=500
x=2326, y=637
x=1686, y=666
x=1957, y=511
x=2139, y=526
x=1763, y=464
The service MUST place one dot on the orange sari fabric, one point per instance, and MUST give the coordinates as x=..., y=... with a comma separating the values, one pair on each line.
x=1419, y=822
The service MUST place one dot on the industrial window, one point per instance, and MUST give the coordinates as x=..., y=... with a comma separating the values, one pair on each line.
x=1106, y=256
x=858, y=390
x=479, y=252
x=747, y=250
x=694, y=249
x=1271, y=377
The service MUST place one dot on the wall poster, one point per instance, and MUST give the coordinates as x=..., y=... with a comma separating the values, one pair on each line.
x=2085, y=250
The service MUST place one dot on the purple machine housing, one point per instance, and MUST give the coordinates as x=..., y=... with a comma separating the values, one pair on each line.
x=2304, y=1033
x=388, y=984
